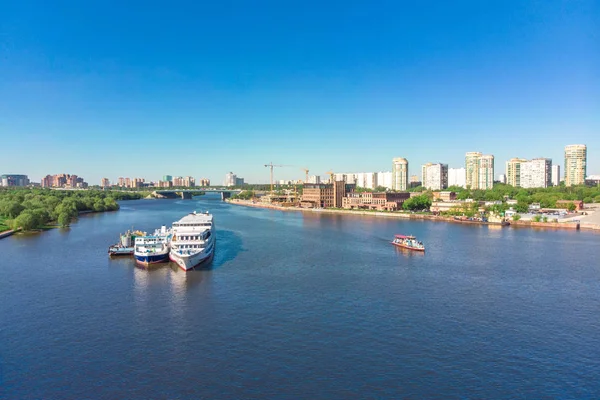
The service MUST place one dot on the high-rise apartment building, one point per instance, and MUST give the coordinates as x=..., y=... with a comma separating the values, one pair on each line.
x=479, y=170
x=367, y=180
x=457, y=177
x=434, y=176
x=204, y=182
x=400, y=174
x=472, y=169
x=513, y=171
x=230, y=179
x=104, y=182
x=315, y=179
x=384, y=179
x=575, y=164
x=63, y=180
x=167, y=178
x=556, y=175
x=486, y=172
x=536, y=173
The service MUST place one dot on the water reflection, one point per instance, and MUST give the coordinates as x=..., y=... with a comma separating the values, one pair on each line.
x=403, y=253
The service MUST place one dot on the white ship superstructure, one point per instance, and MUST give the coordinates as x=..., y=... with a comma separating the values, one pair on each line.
x=193, y=240
x=151, y=249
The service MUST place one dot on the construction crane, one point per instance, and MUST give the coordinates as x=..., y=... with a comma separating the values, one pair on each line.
x=271, y=165
x=306, y=172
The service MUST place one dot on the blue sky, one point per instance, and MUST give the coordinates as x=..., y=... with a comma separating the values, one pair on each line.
x=202, y=88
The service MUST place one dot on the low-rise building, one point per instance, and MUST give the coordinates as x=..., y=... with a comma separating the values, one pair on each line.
x=445, y=206
x=14, y=180
x=565, y=204
x=387, y=201
x=444, y=195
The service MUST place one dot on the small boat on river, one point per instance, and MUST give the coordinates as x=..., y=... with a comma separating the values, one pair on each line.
x=408, y=242
x=126, y=246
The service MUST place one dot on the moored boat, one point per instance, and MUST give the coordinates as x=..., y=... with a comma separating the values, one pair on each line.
x=193, y=240
x=152, y=249
x=125, y=247
x=408, y=242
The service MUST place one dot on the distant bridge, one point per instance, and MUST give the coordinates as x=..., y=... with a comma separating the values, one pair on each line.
x=187, y=193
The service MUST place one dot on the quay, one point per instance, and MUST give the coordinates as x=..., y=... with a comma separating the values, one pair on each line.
x=399, y=215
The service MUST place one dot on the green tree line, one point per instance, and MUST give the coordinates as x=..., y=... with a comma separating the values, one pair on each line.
x=547, y=197
x=36, y=208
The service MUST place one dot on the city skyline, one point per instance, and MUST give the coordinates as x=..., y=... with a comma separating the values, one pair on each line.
x=344, y=88
x=496, y=174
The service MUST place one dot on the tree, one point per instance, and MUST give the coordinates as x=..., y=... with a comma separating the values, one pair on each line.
x=99, y=206
x=571, y=207
x=516, y=217
x=521, y=207
x=26, y=221
x=12, y=209
x=64, y=219
x=417, y=203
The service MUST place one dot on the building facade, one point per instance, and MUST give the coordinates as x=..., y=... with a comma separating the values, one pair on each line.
x=457, y=177
x=63, y=181
x=513, y=171
x=14, y=180
x=384, y=179
x=555, y=175
x=486, y=172
x=479, y=171
x=314, y=179
x=325, y=195
x=434, y=176
x=575, y=164
x=104, y=182
x=374, y=201
x=536, y=173
x=230, y=179
x=204, y=182
x=400, y=174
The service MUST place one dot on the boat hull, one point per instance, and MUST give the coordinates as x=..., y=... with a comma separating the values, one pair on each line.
x=190, y=261
x=408, y=247
x=147, y=259
x=115, y=251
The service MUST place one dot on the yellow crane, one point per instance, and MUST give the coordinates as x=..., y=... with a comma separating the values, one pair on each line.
x=271, y=165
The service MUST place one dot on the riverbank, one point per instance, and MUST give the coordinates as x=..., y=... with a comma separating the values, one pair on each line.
x=411, y=216
x=8, y=233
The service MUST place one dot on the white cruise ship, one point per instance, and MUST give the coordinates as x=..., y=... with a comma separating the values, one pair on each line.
x=193, y=240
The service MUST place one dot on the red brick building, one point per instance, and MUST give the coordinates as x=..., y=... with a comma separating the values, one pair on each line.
x=375, y=201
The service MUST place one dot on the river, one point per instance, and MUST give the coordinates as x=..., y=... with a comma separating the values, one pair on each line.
x=300, y=305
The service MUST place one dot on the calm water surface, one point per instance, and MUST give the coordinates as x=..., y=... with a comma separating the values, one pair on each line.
x=301, y=306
